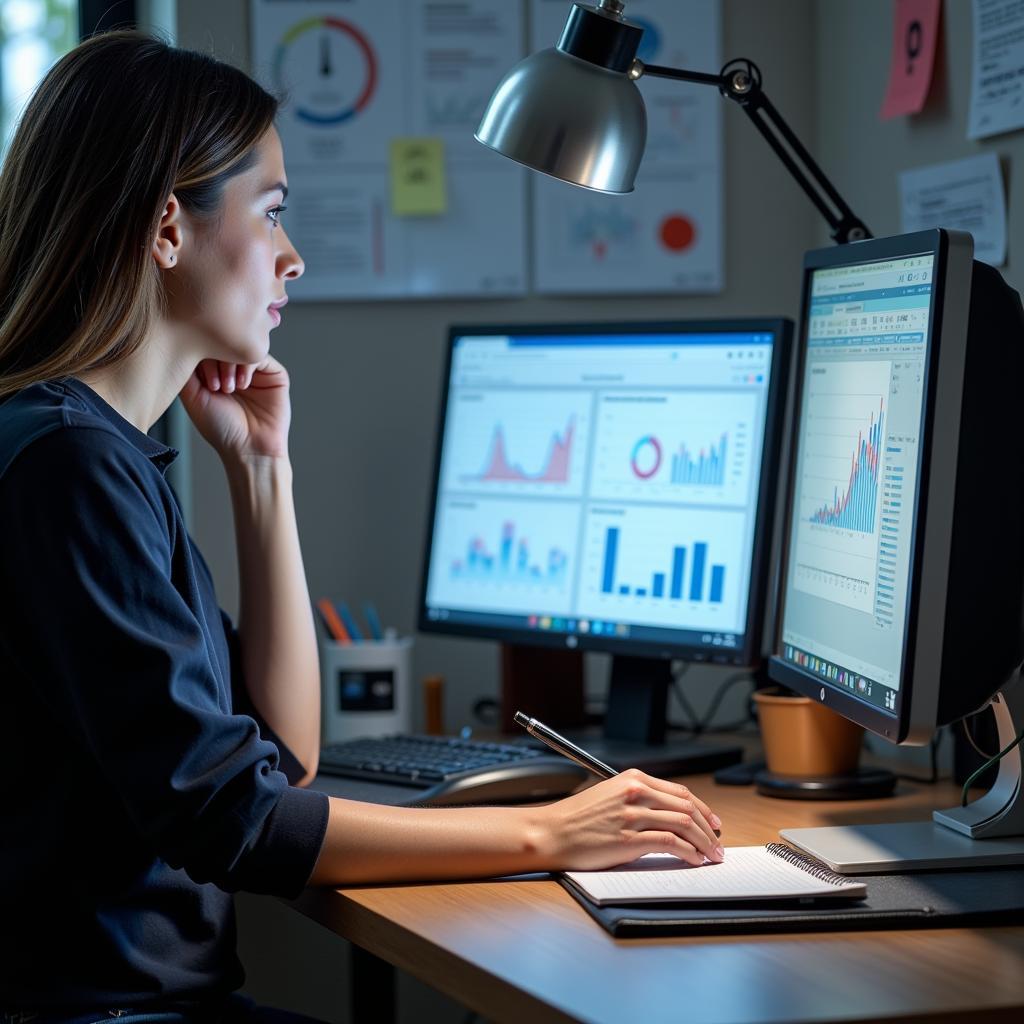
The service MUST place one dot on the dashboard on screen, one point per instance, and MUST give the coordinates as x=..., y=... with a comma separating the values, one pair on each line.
x=605, y=487
x=860, y=419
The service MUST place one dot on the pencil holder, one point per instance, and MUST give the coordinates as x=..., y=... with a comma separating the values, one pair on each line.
x=365, y=688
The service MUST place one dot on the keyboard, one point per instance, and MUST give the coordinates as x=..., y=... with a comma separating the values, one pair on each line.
x=442, y=770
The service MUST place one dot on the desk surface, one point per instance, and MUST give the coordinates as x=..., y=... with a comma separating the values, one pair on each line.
x=524, y=950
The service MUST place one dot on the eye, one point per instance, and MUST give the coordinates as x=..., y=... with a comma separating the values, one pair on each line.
x=275, y=214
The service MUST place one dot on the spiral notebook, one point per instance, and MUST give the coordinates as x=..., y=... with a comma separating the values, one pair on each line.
x=748, y=873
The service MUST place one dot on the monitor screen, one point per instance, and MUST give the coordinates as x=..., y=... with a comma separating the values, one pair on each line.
x=604, y=486
x=847, y=584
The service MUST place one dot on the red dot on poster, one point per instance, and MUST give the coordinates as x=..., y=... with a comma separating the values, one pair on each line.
x=677, y=233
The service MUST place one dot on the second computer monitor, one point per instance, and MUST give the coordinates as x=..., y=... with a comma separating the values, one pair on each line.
x=608, y=486
x=902, y=566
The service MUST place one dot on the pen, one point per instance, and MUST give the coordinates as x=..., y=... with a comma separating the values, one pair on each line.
x=564, y=747
x=569, y=749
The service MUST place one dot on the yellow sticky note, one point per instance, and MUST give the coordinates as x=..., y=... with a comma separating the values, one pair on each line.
x=417, y=177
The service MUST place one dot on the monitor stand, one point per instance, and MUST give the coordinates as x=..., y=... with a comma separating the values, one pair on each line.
x=635, y=725
x=986, y=833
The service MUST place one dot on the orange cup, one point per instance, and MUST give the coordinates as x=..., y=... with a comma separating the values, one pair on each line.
x=803, y=738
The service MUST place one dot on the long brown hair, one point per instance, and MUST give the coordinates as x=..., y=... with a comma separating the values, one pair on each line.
x=116, y=125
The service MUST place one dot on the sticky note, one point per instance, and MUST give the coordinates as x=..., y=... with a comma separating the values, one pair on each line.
x=418, y=185
x=914, y=35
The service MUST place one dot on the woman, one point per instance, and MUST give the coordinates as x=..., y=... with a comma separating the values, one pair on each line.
x=155, y=755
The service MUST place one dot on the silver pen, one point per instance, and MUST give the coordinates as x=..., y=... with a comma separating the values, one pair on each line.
x=564, y=747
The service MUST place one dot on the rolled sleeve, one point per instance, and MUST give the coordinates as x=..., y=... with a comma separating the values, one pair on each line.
x=112, y=628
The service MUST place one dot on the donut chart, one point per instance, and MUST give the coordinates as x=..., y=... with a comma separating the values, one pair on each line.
x=646, y=457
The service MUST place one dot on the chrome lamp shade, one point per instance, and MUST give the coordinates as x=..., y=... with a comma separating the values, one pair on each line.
x=570, y=119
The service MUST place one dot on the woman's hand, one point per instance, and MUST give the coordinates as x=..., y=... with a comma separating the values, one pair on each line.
x=625, y=817
x=241, y=410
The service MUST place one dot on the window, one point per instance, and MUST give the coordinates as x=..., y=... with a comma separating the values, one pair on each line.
x=33, y=34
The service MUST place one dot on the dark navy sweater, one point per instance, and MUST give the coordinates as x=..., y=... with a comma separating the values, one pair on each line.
x=139, y=787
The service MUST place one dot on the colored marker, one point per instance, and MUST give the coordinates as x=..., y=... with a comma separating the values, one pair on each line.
x=331, y=622
x=373, y=619
x=350, y=623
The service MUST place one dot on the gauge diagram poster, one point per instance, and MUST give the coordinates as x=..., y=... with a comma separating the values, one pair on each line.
x=666, y=235
x=356, y=75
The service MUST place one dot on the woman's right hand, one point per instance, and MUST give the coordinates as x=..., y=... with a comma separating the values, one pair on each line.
x=625, y=817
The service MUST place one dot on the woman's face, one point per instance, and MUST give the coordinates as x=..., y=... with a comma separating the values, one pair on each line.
x=233, y=268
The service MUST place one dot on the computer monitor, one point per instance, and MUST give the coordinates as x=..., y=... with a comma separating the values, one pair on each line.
x=902, y=577
x=609, y=487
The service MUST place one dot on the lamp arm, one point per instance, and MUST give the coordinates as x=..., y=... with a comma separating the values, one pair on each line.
x=740, y=81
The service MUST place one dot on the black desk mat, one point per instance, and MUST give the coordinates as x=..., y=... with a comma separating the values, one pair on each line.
x=939, y=899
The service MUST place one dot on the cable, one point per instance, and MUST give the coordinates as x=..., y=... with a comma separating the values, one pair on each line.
x=991, y=761
x=970, y=737
x=698, y=724
x=704, y=725
x=688, y=710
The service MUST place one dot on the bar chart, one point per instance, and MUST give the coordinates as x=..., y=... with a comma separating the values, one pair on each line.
x=517, y=555
x=699, y=447
x=665, y=566
x=854, y=507
x=694, y=591
x=841, y=464
x=706, y=468
x=512, y=562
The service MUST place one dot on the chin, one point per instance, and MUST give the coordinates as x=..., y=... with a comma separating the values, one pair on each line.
x=251, y=350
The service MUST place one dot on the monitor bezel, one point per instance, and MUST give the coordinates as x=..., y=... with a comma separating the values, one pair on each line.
x=750, y=651
x=913, y=717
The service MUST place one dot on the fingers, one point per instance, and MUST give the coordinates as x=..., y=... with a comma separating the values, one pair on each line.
x=675, y=788
x=227, y=377
x=683, y=827
x=670, y=796
x=208, y=373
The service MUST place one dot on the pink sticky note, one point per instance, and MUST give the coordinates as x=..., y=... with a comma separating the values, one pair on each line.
x=914, y=35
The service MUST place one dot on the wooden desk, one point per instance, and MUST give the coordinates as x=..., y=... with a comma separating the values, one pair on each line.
x=524, y=951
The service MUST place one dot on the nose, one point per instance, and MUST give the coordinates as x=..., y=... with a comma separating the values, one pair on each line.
x=289, y=262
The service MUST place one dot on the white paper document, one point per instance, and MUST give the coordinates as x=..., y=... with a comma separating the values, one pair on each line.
x=747, y=873
x=966, y=195
x=997, y=76
x=360, y=78
x=667, y=235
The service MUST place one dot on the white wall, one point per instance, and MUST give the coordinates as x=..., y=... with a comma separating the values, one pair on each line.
x=367, y=375
x=865, y=155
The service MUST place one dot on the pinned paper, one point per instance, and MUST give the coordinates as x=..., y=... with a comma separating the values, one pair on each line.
x=966, y=195
x=417, y=177
x=915, y=34
x=997, y=78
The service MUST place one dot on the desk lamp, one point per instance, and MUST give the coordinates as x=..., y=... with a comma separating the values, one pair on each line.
x=574, y=112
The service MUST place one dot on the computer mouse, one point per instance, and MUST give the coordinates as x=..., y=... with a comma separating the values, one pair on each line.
x=540, y=778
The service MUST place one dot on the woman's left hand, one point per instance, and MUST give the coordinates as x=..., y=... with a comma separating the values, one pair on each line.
x=241, y=410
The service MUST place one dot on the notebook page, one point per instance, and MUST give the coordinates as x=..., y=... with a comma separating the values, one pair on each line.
x=748, y=872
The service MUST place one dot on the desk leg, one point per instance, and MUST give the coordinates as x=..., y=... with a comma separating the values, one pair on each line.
x=373, y=988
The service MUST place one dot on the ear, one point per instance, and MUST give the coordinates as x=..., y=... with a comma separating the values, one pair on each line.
x=167, y=244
